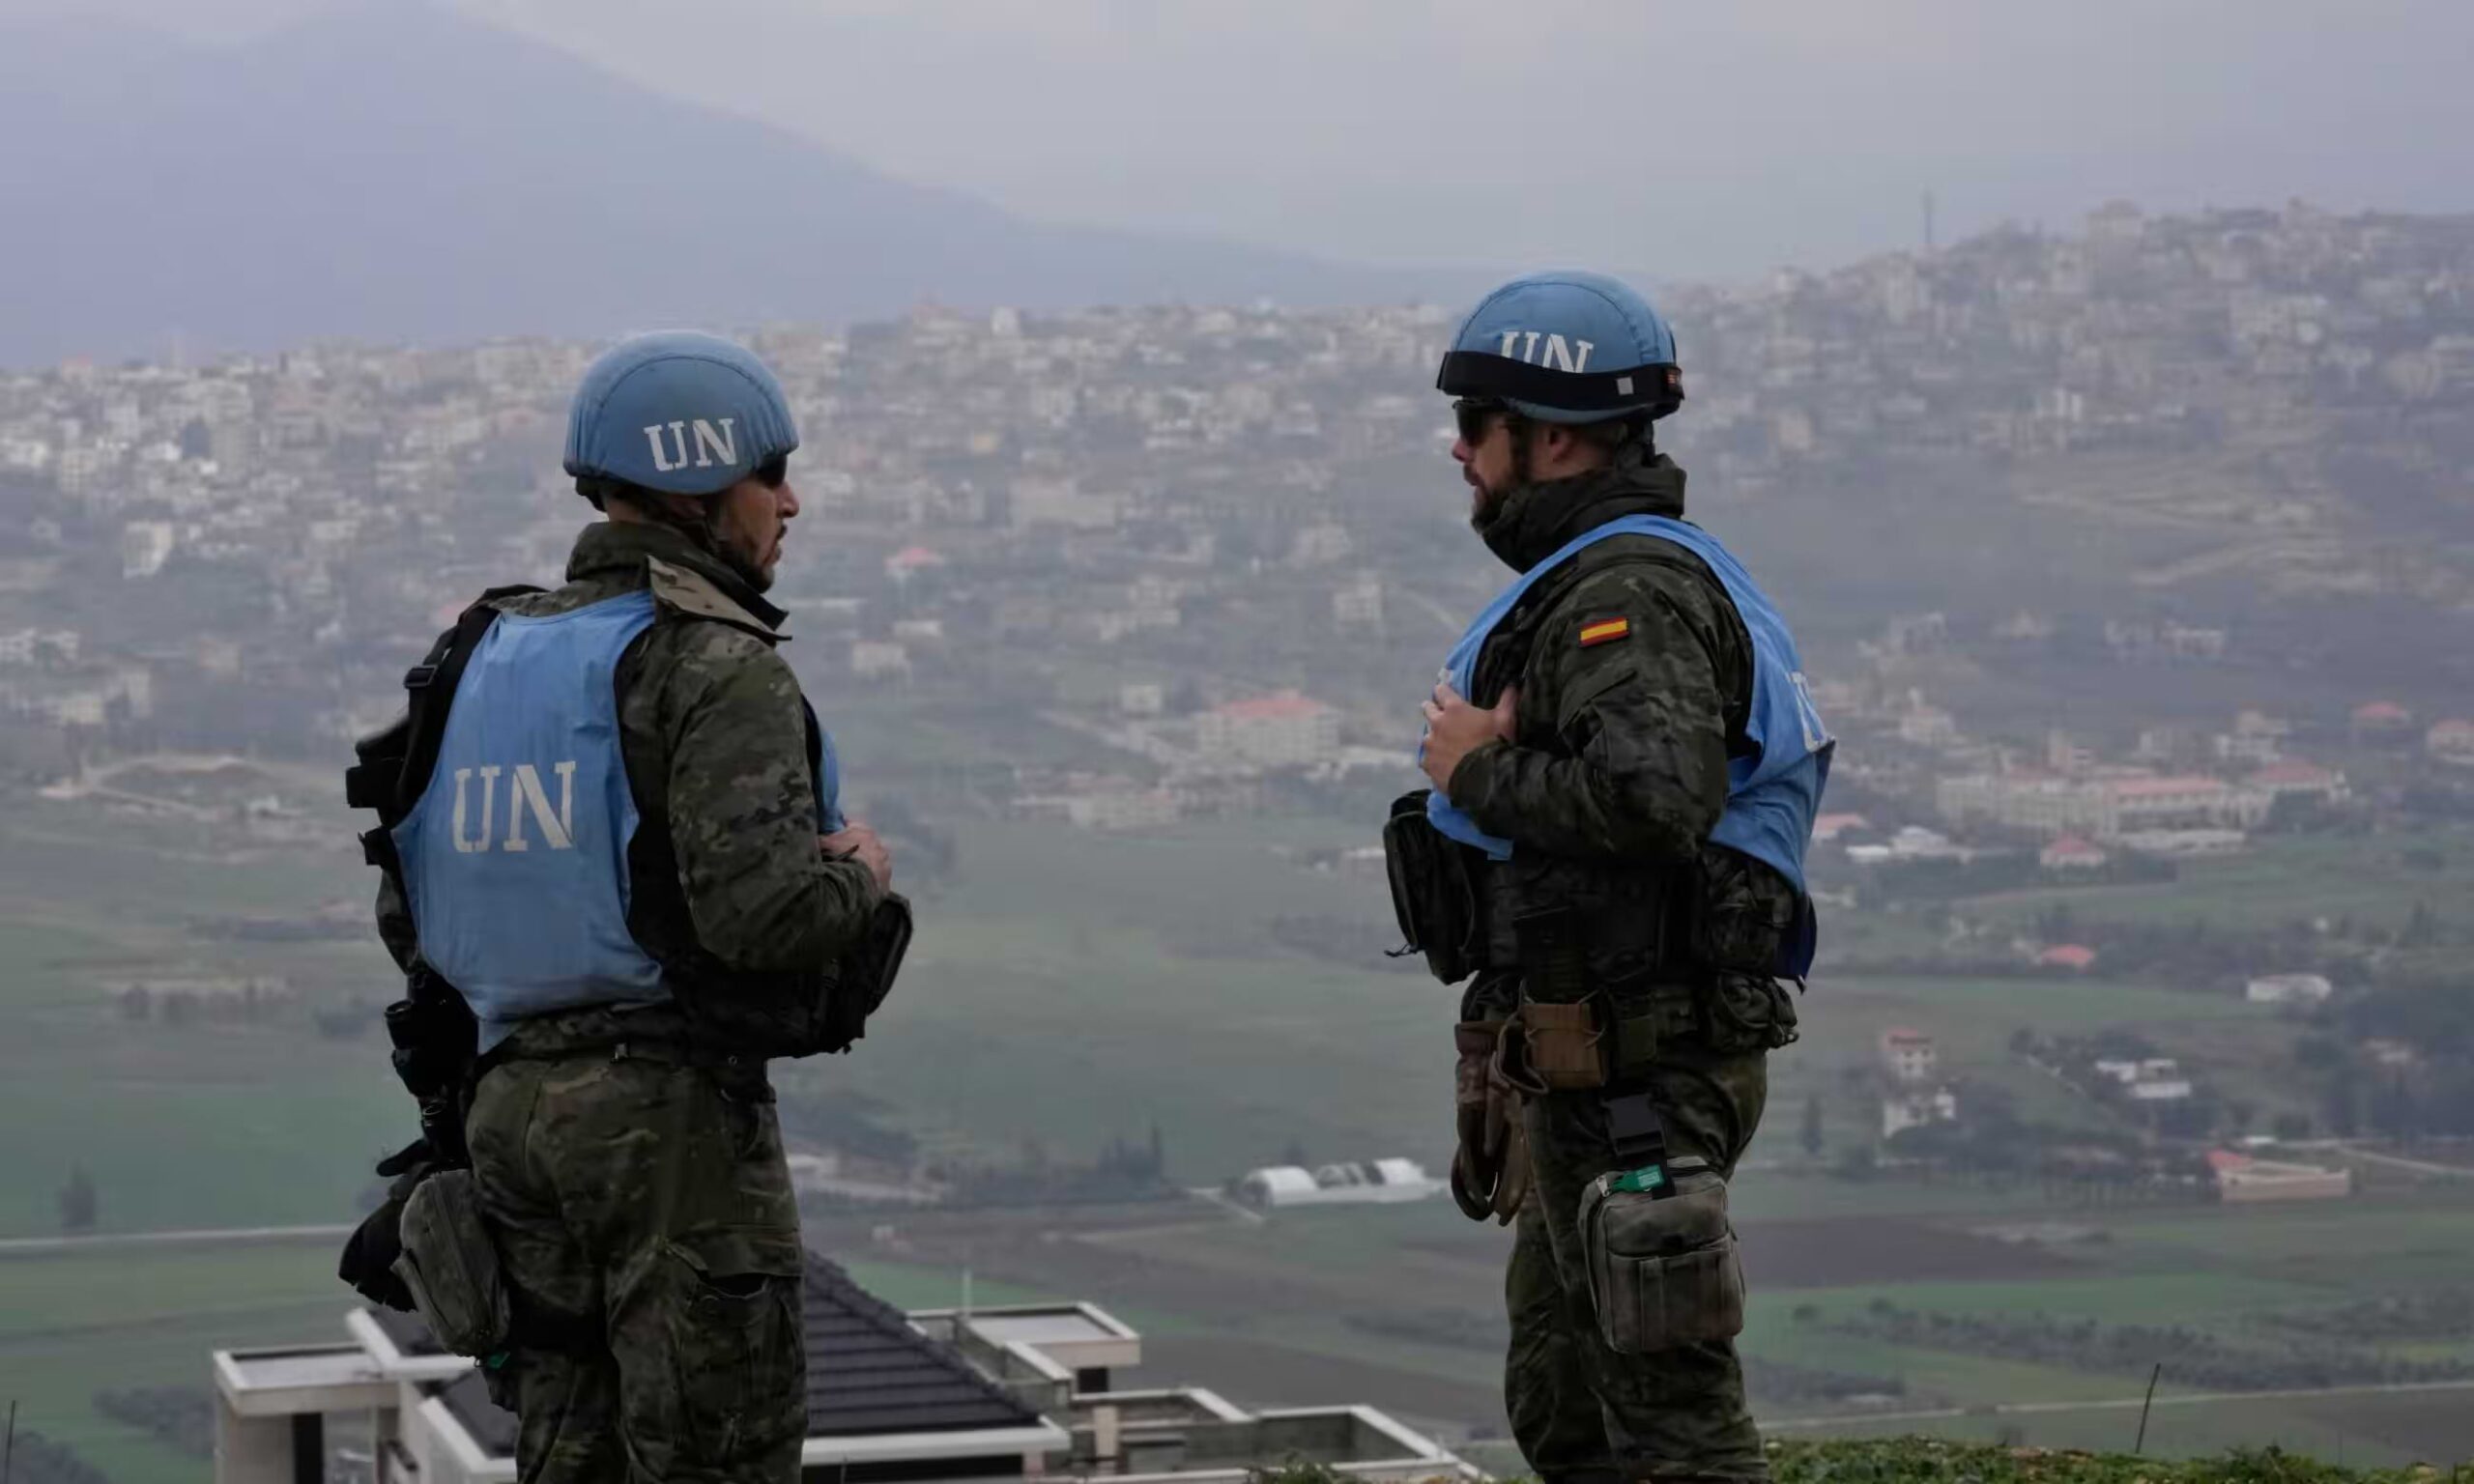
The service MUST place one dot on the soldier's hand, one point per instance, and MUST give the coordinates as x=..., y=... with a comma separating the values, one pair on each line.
x=856, y=842
x=1456, y=729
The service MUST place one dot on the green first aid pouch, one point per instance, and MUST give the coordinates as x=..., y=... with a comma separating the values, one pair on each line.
x=1663, y=1267
x=450, y=1266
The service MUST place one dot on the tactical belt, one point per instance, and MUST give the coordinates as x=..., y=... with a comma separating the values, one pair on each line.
x=1643, y=1027
x=661, y=1050
x=1600, y=1041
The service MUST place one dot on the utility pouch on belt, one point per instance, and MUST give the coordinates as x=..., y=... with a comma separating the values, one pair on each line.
x=1663, y=1267
x=1434, y=895
x=1563, y=1047
x=452, y=1266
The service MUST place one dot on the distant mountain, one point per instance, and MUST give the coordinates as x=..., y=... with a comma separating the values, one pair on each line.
x=397, y=172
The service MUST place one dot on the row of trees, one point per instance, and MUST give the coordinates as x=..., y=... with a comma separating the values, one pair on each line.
x=2437, y=1314
x=2190, y=1356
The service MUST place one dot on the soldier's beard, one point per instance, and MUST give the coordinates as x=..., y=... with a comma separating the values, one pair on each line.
x=703, y=531
x=752, y=572
x=1486, y=505
x=1486, y=515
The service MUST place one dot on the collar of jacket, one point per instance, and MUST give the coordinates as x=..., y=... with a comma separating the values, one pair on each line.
x=681, y=575
x=1531, y=522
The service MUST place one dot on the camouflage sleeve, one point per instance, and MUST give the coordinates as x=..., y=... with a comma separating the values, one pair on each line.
x=1625, y=687
x=742, y=812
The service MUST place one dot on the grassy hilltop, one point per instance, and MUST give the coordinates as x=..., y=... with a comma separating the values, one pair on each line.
x=1911, y=1460
x=1927, y=1461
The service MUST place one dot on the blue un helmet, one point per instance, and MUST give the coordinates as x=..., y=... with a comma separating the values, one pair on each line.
x=1565, y=347
x=679, y=412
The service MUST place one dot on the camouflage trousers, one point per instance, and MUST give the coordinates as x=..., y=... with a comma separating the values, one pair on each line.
x=644, y=1218
x=1580, y=1411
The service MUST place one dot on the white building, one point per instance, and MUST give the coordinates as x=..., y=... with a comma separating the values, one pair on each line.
x=1358, y=603
x=2161, y=1090
x=1062, y=503
x=2301, y=780
x=1284, y=731
x=1130, y=808
x=2104, y=808
x=879, y=660
x=1021, y=1393
x=1369, y=1182
x=2068, y=852
x=2242, y=1180
x=1909, y=1056
x=2288, y=990
x=1903, y=1111
x=144, y=547
x=2152, y=1079
x=2451, y=740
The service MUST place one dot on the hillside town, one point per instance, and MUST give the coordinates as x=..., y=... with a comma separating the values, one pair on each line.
x=1194, y=553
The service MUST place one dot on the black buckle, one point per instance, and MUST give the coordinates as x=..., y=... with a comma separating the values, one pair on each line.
x=1632, y=1126
x=378, y=848
x=419, y=677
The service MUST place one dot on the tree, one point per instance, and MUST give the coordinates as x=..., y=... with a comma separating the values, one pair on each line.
x=2344, y=1099
x=1813, y=1142
x=78, y=1202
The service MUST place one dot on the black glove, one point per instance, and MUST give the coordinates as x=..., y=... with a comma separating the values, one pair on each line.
x=368, y=1261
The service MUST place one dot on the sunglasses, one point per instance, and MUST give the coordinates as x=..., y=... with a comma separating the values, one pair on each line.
x=772, y=472
x=1476, y=414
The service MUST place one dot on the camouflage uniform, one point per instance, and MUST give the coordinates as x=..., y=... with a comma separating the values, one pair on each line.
x=630, y=1160
x=1616, y=771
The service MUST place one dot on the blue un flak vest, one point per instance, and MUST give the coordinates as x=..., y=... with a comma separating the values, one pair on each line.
x=515, y=856
x=1772, y=793
x=825, y=770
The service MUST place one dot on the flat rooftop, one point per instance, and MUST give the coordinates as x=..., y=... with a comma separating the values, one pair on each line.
x=1062, y=1327
x=318, y=1365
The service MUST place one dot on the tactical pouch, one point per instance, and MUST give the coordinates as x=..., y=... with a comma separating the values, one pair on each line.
x=867, y=973
x=1434, y=895
x=1663, y=1267
x=433, y=1034
x=450, y=1266
x=1565, y=1048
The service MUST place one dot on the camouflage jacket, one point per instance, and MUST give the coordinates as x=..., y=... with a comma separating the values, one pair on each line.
x=730, y=894
x=1617, y=768
x=1620, y=749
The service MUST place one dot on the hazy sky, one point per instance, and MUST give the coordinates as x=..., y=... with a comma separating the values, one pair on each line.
x=1686, y=139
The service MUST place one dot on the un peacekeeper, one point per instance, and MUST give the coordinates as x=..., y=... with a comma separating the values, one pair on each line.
x=618, y=864
x=1627, y=761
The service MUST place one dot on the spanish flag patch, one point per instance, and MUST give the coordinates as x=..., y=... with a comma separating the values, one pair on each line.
x=1604, y=632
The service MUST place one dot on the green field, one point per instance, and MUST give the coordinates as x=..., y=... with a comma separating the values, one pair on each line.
x=77, y=1323
x=1068, y=989
x=2366, y=877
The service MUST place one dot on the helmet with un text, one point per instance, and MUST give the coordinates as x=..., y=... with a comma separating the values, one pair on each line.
x=1565, y=347
x=677, y=411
